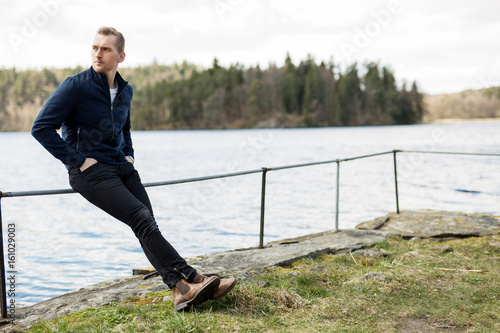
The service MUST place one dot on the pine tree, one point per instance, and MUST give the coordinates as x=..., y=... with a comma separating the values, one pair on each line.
x=417, y=102
x=350, y=97
x=290, y=88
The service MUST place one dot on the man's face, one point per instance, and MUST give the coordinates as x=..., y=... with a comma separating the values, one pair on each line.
x=105, y=56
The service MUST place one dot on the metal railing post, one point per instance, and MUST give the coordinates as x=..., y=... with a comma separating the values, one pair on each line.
x=337, y=197
x=3, y=286
x=396, y=180
x=262, y=207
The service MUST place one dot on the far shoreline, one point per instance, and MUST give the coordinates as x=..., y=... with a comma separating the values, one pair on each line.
x=460, y=120
x=424, y=122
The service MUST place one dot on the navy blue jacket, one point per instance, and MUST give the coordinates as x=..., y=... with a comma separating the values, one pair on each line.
x=91, y=125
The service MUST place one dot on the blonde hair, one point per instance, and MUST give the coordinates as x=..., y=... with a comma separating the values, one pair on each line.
x=120, y=40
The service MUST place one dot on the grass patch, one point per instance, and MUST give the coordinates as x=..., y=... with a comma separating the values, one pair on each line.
x=425, y=289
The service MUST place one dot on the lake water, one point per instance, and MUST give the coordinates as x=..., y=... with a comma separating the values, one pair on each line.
x=64, y=243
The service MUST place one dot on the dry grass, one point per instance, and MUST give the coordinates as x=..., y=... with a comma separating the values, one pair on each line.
x=424, y=290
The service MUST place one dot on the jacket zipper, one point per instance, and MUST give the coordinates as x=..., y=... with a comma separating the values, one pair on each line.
x=78, y=138
x=113, y=124
x=112, y=117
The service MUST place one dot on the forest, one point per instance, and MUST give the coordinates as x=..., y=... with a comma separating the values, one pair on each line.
x=185, y=96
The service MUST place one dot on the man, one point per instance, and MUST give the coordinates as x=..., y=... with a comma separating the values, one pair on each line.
x=93, y=110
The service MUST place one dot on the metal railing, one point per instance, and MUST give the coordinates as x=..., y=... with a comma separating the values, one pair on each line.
x=263, y=171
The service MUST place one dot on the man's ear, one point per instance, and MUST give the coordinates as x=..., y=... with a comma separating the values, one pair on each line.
x=121, y=58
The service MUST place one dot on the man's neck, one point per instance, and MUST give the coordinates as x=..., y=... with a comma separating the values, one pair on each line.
x=111, y=76
x=111, y=80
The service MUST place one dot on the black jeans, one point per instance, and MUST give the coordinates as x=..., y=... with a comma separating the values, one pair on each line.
x=118, y=190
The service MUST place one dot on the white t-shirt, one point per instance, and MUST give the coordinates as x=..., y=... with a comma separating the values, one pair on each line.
x=113, y=93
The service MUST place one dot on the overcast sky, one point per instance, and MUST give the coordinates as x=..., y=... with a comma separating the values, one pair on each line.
x=444, y=45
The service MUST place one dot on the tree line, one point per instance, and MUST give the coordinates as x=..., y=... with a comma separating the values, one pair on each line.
x=307, y=94
x=186, y=96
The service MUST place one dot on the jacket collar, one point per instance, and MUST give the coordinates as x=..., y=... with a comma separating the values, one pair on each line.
x=102, y=78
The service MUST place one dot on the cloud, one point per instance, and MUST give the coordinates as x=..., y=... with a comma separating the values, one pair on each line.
x=443, y=45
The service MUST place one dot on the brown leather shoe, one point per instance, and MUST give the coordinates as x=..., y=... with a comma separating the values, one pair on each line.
x=225, y=285
x=187, y=295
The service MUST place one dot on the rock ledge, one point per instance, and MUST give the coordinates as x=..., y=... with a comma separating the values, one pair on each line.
x=244, y=263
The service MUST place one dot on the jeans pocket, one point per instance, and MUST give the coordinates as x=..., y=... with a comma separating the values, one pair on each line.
x=76, y=176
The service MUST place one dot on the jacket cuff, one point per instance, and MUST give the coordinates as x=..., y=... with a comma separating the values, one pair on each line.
x=76, y=161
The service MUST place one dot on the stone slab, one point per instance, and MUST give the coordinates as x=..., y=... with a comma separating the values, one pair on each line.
x=438, y=224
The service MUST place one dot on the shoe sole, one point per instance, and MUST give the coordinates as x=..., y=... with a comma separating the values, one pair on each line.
x=227, y=291
x=201, y=296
